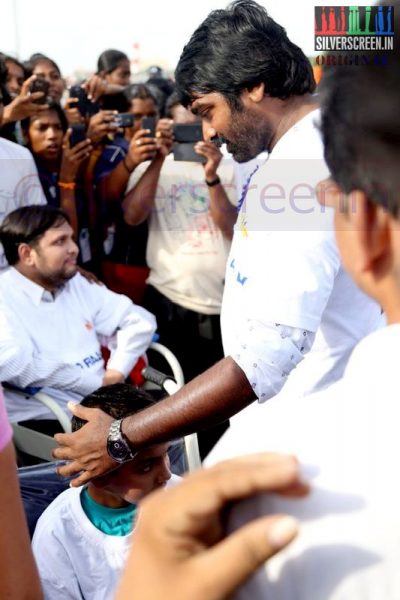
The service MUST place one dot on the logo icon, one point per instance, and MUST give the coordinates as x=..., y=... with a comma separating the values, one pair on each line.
x=353, y=28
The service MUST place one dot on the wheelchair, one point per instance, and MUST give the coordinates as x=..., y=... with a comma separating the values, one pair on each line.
x=40, y=483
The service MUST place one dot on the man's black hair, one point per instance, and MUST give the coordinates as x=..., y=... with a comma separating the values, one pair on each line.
x=118, y=400
x=109, y=60
x=27, y=225
x=360, y=123
x=236, y=49
x=56, y=107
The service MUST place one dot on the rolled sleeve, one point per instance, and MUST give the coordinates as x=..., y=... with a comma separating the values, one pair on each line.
x=268, y=352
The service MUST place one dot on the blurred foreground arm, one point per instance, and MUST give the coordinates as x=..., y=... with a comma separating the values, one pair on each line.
x=19, y=578
x=180, y=550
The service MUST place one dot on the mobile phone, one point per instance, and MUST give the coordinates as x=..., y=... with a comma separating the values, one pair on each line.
x=40, y=85
x=83, y=104
x=150, y=123
x=185, y=134
x=78, y=134
x=187, y=153
x=124, y=120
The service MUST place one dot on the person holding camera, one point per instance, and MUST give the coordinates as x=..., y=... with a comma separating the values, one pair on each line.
x=59, y=162
x=124, y=267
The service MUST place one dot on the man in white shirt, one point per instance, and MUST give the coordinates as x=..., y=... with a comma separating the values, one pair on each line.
x=286, y=295
x=19, y=181
x=347, y=437
x=56, y=321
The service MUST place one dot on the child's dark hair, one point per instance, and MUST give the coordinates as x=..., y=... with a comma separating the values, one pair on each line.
x=118, y=400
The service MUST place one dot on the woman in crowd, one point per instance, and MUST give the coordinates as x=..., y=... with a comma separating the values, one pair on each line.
x=114, y=67
x=59, y=166
x=44, y=67
x=125, y=247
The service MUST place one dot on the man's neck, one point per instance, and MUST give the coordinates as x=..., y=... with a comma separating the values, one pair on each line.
x=289, y=112
x=36, y=278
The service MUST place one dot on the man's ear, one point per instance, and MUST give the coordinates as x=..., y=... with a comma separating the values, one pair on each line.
x=256, y=93
x=25, y=253
x=371, y=224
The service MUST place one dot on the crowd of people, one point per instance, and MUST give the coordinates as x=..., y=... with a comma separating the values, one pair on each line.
x=250, y=221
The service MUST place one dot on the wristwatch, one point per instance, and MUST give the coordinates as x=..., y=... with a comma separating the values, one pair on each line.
x=117, y=445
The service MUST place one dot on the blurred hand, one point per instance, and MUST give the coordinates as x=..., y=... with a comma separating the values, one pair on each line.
x=164, y=136
x=72, y=113
x=112, y=376
x=72, y=158
x=181, y=549
x=101, y=124
x=213, y=156
x=95, y=87
x=23, y=105
x=141, y=148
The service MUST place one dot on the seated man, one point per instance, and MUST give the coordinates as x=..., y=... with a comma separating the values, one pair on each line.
x=82, y=539
x=55, y=322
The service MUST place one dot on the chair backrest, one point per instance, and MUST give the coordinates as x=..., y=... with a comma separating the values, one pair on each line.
x=33, y=442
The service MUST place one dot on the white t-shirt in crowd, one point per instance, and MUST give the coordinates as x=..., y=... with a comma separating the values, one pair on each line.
x=75, y=559
x=186, y=251
x=19, y=182
x=347, y=440
x=54, y=342
x=284, y=268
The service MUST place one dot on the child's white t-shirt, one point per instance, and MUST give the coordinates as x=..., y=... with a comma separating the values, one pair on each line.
x=75, y=560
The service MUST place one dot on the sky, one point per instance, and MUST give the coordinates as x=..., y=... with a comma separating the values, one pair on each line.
x=75, y=32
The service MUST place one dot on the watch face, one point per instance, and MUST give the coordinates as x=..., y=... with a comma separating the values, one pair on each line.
x=117, y=450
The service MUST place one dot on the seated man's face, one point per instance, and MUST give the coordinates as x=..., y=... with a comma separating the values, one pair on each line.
x=54, y=257
x=149, y=471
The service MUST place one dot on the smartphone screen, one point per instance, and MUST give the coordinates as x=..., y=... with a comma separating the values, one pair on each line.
x=150, y=123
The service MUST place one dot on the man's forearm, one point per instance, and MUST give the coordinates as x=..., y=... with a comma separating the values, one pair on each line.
x=215, y=395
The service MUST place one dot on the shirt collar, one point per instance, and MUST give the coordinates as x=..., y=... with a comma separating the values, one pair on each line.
x=36, y=292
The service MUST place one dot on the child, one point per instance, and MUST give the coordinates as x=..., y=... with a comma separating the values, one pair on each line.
x=81, y=540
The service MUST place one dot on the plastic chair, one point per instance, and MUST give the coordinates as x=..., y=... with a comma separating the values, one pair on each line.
x=33, y=442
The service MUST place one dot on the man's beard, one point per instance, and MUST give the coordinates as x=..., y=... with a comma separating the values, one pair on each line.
x=57, y=279
x=249, y=135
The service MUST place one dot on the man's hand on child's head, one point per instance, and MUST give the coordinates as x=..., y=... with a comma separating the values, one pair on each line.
x=86, y=448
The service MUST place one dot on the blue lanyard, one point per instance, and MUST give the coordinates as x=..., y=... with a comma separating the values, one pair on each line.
x=245, y=189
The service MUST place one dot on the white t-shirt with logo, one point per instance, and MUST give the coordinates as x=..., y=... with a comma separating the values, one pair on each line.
x=186, y=251
x=284, y=268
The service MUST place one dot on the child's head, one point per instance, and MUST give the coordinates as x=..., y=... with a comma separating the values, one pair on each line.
x=149, y=470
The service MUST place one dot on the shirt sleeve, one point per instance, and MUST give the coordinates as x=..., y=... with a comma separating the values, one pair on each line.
x=268, y=352
x=109, y=159
x=5, y=427
x=125, y=328
x=22, y=365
